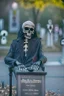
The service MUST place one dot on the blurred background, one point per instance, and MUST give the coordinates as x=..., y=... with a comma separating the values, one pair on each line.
x=48, y=16
x=14, y=12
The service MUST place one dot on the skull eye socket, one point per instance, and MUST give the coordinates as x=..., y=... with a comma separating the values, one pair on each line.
x=27, y=28
x=31, y=29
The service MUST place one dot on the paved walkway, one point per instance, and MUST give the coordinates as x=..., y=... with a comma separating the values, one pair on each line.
x=51, y=56
x=4, y=47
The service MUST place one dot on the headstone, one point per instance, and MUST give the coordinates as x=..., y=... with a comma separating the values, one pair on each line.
x=4, y=35
x=56, y=33
x=49, y=39
x=50, y=34
x=42, y=33
x=30, y=83
x=1, y=24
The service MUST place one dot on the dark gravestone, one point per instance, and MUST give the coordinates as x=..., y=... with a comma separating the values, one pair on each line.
x=30, y=83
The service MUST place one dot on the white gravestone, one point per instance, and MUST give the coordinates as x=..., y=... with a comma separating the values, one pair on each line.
x=49, y=39
x=4, y=35
x=50, y=34
x=42, y=33
x=1, y=24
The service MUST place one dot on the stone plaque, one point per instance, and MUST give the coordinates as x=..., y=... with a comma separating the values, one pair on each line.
x=31, y=86
x=30, y=83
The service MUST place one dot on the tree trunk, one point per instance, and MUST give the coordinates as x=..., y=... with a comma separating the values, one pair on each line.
x=35, y=16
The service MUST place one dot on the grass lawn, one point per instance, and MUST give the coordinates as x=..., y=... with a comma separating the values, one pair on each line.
x=56, y=46
x=11, y=36
x=3, y=53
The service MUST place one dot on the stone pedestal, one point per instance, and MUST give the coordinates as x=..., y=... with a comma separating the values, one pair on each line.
x=30, y=83
x=50, y=39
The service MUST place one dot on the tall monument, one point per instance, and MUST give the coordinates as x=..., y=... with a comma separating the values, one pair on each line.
x=14, y=22
x=50, y=33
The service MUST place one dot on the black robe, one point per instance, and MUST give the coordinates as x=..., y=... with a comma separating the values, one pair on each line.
x=16, y=52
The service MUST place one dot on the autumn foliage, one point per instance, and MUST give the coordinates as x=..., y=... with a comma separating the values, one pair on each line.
x=37, y=6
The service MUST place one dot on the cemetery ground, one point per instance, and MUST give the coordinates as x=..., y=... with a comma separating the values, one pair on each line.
x=11, y=36
x=5, y=92
x=4, y=48
x=3, y=51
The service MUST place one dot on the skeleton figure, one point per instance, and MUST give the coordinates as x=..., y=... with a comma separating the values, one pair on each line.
x=26, y=50
x=28, y=30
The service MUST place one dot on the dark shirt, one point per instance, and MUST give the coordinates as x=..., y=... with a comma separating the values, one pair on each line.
x=16, y=52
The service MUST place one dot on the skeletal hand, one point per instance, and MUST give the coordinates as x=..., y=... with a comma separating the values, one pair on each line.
x=35, y=66
x=18, y=63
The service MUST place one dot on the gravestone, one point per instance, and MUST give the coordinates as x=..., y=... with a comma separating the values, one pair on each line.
x=1, y=24
x=14, y=22
x=50, y=34
x=30, y=83
x=56, y=33
x=4, y=35
x=42, y=33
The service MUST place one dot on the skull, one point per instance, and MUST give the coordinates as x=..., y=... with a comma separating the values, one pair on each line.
x=28, y=29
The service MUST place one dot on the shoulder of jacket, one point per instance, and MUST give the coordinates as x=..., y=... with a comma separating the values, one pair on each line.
x=38, y=39
x=15, y=40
